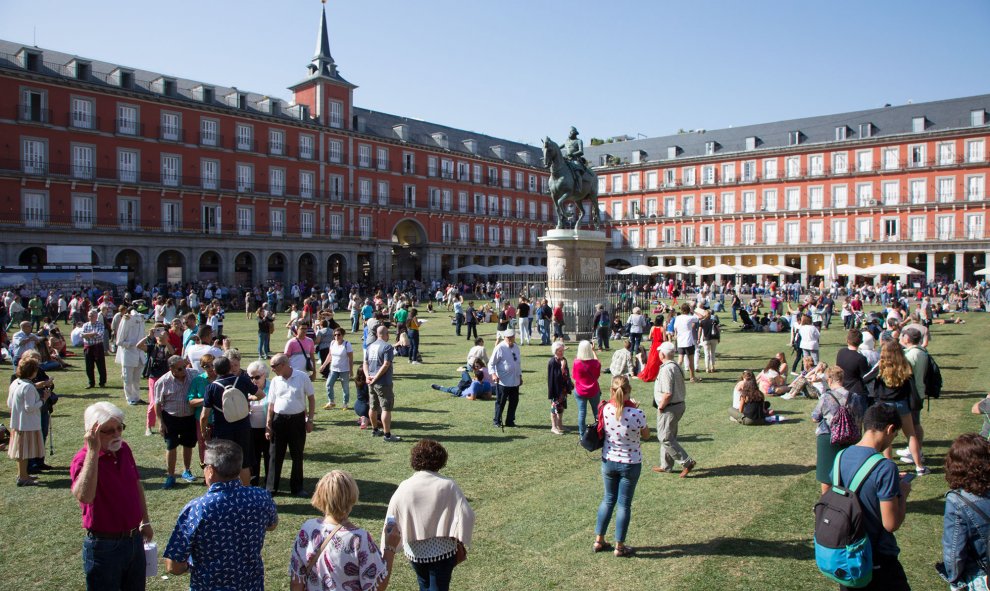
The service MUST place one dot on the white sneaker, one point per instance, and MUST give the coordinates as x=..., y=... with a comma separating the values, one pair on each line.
x=788, y=396
x=904, y=452
x=907, y=459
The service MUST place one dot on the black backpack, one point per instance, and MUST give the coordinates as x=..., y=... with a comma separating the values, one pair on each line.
x=933, y=378
x=842, y=549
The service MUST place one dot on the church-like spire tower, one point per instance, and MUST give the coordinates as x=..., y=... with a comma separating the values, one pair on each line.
x=323, y=64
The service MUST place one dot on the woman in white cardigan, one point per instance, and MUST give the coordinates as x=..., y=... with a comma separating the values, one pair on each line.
x=130, y=332
x=25, y=420
x=434, y=517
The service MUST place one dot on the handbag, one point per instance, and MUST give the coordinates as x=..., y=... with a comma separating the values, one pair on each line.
x=309, y=358
x=312, y=561
x=461, y=554
x=592, y=439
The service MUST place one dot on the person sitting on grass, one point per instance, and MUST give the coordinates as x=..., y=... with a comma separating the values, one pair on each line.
x=622, y=361
x=466, y=378
x=478, y=389
x=810, y=382
x=770, y=380
x=749, y=407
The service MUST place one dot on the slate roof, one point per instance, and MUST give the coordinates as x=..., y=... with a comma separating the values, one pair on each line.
x=886, y=121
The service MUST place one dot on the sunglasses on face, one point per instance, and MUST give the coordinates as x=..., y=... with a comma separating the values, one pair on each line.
x=256, y=378
x=113, y=430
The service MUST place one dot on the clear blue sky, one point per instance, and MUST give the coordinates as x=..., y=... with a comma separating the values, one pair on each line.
x=646, y=67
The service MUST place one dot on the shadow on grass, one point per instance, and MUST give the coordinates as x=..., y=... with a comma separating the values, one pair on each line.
x=344, y=458
x=407, y=426
x=934, y=506
x=754, y=470
x=742, y=547
x=694, y=438
x=478, y=438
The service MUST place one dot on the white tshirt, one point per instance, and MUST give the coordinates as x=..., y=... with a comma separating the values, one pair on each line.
x=194, y=352
x=338, y=354
x=685, y=325
x=288, y=396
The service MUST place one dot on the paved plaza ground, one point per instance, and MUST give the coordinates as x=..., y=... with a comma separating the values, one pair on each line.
x=743, y=520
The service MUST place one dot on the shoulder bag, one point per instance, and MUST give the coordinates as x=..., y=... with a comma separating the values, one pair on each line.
x=312, y=561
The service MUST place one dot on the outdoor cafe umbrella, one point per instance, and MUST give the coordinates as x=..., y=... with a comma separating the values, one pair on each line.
x=983, y=271
x=844, y=269
x=637, y=270
x=720, y=269
x=787, y=270
x=890, y=269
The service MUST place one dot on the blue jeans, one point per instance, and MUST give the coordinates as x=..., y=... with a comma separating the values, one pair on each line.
x=620, y=484
x=114, y=564
x=344, y=382
x=434, y=576
x=583, y=404
x=544, y=332
x=635, y=339
x=264, y=344
x=413, y=344
x=355, y=322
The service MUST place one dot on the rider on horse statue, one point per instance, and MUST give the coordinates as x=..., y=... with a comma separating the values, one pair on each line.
x=573, y=150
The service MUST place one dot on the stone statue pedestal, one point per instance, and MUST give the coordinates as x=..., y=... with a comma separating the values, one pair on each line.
x=576, y=277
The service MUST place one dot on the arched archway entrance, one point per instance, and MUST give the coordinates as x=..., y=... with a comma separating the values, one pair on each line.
x=132, y=261
x=170, y=267
x=336, y=269
x=209, y=266
x=276, y=267
x=408, y=250
x=307, y=269
x=618, y=264
x=244, y=269
x=33, y=257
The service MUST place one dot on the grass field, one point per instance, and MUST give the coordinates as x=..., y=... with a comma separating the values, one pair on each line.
x=741, y=521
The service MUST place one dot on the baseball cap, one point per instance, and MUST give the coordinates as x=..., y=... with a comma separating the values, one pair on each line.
x=509, y=333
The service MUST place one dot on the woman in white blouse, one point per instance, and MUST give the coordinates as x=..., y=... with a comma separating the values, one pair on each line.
x=623, y=427
x=340, y=361
x=25, y=405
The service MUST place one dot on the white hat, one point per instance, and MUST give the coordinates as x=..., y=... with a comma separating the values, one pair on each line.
x=667, y=347
x=508, y=333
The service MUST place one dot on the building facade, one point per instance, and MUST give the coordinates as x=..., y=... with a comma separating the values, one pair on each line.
x=904, y=184
x=185, y=181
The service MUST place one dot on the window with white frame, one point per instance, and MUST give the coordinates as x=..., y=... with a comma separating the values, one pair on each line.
x=729, y=172
x=618, y=239
x=384, y=193
x=891, y=158
x=634, y=238
x=171, y=216
x=462, y=202
x=975, y=151
x=651, y=237
x=33, y=105
x=945, y=188
x=840, y=163
x=687, y=205
x=336, y=114
x=364, y=190
x=480, y=207
x=245, y=220
x=634, y=181
x=127, y=120
x=171, y=165
x=431, y=166
x=917, y=190
x=245, y=178
x=532, y=238
x=463, y=233
x=687, y=176
x=770, y=233
x=171, y=130
x=479, y=234
x=520, y=208
x=532, y=183
x=601, y=186
x=211, y=218
x=128, y=213
x=864, y=195
x=447, y=232
x=409, y=195
x=506, y=207
x=670, y=207
x=651, y=179
x=276, y=181
x=840, y=231
x=381, y=158
x=792, y=232
x=364, y=155
x=519, y=180
x=520, y=236
x=335, y=183
x=434, y=198
x=335, y=151
x=792, y=199
x=492, y=176
x=245, y=137
x=918, y=124
x=728, y=202
x=864, y=160
x=306, y=181
x=770, y=200
x=83, y=161
x=707, y=235
x=506, y=178
x=82, y=113
x=463, y=171
x=770, y=168
x=493, y=205
x=651, y=208
x=840, y=196
x=209, y=132
x=916, y=228
x=336, y=226
x=447, y=168
x=916, y=156
x=864, y=230
x=634, y=211
x=544, y=212
x=35, y=208
x=616, y=210
x=669, y=177
x=749, y=201
x=816, y=197
x=306, y=224
x=277, y=217
x=494, y=235
x=749, y=170
x=974, y=226
x=891, y=229
x=749, y=234
x=669, y=235
x=532, y=210
x=891, y=191
x=306, y=144
x=507, y=236
x=728, y=234
x=83, y=211
x=816, y=165
x=792, y=167
x=946, y=153
x=209, y=173
x=975, y=185
x=708, y=204
x=977, y=117
x=276, y=142
x=34, y=156
x=944, y=226
x=687, y=235
x=616, y=183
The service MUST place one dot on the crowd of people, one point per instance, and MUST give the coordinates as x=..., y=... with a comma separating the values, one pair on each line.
x=244, y=420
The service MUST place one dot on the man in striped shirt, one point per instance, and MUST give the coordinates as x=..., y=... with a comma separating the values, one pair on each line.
x=92, y=334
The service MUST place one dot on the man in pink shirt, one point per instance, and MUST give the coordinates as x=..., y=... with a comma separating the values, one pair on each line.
x=106, y=483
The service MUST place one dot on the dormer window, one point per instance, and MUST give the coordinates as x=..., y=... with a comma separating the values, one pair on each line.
x=523, y=157
x=918, y=124
x=751, y=142
x=30, y=59
x=122, y=78
x=81, y=69
x=203, y=93
x=401, y=131
x=977, y=117
x=499, y=152
x=710, y=148
x=164, y=86
x=236, y=99
x=841, y=133
x=638, y=156
x=672, y=152
x=865, y=130
x=441, y=139
x=794, y=138
x=471, y=146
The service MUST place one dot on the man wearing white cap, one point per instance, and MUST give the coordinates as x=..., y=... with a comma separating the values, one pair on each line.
x=505, y=367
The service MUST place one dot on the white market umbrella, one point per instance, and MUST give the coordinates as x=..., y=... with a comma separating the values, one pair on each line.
x=890, y=269
x=503, y=269
x=478, y=269
x=844, y=269
x=764, y=269
x=637, y=270
x=720, y=269
x=678, y=269
x=660, y=269
x=983, y=271
x=787, y=270
x=696, y=269
x=831, y=273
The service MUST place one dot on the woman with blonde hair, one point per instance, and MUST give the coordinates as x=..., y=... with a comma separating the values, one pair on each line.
x=895, y=387
x=353, y=561
x=587, y=393
x=623, y=427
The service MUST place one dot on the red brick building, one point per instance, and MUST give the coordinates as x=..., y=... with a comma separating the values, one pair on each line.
x=182, y=179
x=903, y=184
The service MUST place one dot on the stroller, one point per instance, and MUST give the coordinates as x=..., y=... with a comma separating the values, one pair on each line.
x=748, y=323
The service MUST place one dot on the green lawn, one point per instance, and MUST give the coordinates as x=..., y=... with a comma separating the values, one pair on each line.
x=742, y=521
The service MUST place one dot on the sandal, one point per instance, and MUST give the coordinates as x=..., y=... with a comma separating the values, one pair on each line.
x=623, y=551
x=601, y=547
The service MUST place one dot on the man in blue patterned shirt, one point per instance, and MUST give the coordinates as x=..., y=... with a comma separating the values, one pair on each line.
x=219, y=536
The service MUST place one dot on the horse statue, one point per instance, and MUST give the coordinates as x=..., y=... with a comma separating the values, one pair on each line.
x=568, y=183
